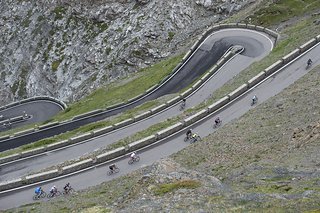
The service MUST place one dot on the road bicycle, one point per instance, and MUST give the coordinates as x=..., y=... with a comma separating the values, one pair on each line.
x=113, y=171
x=216, y=125
x=42, y=195
x=195, y=139
x=134, y=159
x=182, y=106
x=254, y=101
x=69, y=191
x=55, y=194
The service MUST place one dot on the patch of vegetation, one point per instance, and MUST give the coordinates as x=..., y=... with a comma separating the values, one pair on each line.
x=115, y=93
x=275, y=12
x=170, y=35
x=59, y=12
x=181, y=184
x=26, y=22
x=102, y=26
x=275, y=188
x=108, y=50
x=55, y=65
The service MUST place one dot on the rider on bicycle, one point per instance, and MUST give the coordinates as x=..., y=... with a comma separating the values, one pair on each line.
x=67, y=187
x=133, y=155
x=53, y=190
x=217, y=121
x=309, y=61
x=254, y=99
x=38, y=191
x=189, y=133
x=112, y=167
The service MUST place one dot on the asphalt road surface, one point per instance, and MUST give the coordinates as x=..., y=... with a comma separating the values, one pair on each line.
x=38, y=111
x=250, y=39
x=267, y=89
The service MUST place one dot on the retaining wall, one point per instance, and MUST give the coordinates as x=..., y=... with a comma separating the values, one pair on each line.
x=77, y=166
x=168, y=131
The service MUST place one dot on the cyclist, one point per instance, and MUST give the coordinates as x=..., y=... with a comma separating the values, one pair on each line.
x=189, y=133
x=254, y=99
x=217, y=121
x=184, y=101
x=133, y=155
x=309, y=62
x=183, y=104
x=53, y=190
x=194, y=137
x=112, y=167
x=67, y=188
x=38, y=191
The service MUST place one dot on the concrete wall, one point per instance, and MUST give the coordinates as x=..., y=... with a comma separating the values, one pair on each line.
x=77, y=166
x=80, y=138
x=123, y=123
x=256, y=79
x=240, y=90
x=169, y=130
x=158, y=108
x=186, y=93
x=103, y=130
x=218, y=104
x=291, y=56
x=33, y=152
x=141, y=143
x=274, y=67
x=24, y=132
x=142, y=116
x=10, y=158
x=308, y=45
x=58, y=145
x=45, y=126
x=87, y=114
x=193, y=118
x=111, y=154
x=41, y=176
x=173, y=100
x=11, y=184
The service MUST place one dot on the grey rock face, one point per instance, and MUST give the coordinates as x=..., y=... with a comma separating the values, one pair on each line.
x=66, y=49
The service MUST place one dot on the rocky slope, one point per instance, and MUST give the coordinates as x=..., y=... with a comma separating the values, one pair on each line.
x=66, y=49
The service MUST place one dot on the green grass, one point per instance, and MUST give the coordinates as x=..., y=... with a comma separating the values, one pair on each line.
x=117, y=92
x=283, y=10
x=55, y=65
x=170, y=187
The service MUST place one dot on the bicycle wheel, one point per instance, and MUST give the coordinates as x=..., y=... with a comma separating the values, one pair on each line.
x=137, y=159
x=43, y=195
x=116, y=170
x=198, y=138
x=50, y=195
x=185, y=139
x=110, y=172
x=36, y=197
x=71, y=190
x=58, y=193
x=130, y=161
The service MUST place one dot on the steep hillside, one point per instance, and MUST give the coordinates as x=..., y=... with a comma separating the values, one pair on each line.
x=66, y=49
